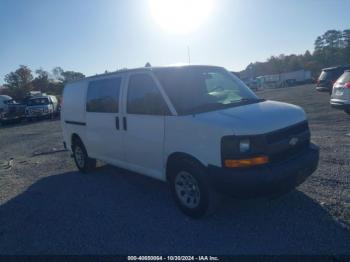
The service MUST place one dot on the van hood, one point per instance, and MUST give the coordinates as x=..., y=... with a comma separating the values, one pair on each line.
x=255, y=119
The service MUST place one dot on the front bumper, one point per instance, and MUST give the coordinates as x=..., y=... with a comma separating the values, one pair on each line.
x=37, y=115
x=267, y=180
x=340, y=104
x=323, y=89
x=8, y=117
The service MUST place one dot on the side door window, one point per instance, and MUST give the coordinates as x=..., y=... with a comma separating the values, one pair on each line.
x=144, y=97
x=103, y=96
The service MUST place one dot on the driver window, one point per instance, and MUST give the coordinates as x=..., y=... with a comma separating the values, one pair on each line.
x=144, y=97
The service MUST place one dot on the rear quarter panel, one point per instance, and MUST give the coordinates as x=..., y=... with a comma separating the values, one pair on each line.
x=73, y=109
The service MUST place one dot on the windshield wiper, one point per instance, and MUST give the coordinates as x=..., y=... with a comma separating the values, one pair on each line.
x=247, y=100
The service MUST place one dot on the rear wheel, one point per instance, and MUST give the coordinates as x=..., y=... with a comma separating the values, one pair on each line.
x=18, y=120
x=81, y=158
x=191, y=189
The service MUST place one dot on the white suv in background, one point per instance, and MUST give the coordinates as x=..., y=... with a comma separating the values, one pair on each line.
x=340, y=98
x=41, y=106
x=197, y=127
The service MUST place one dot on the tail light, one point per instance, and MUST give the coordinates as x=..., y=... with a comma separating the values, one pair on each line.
x=347, y=85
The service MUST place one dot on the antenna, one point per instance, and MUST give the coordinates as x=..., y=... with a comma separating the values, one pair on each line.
x=189, y=55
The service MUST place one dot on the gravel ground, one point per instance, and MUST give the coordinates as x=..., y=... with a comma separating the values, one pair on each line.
x=47, y=207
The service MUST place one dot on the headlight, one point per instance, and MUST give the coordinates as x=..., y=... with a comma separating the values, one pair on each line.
x=243, y=148
x=244, y=145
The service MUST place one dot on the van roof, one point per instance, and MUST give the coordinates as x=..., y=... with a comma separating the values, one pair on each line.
x=141, y=69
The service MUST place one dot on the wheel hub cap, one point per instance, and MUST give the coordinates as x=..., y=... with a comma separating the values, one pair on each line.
x=79, y=156
x=187, y=189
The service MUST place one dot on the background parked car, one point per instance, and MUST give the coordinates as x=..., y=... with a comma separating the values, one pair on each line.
x=43, y=106
x=3, y=101
x=341, y=93
x=10, y=110
x=328, y=77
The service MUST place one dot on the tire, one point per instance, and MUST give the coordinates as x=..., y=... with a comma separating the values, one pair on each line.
x=347, y=111
x=191, y=189
x=18, y=120
x=83, y=162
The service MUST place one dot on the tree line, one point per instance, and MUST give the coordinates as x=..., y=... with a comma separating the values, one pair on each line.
x=330, y=49
x=23, y=80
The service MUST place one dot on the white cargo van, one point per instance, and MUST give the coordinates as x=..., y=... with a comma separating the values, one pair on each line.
x=197, y=127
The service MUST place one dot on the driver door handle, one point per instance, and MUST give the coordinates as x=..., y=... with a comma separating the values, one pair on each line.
x=125, y=123
x=117, y=122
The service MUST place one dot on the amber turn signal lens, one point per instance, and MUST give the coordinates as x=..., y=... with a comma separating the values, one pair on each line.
x=260, y=160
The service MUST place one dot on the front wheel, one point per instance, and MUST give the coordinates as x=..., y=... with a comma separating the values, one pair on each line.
x=191, y=189
x=81, y=158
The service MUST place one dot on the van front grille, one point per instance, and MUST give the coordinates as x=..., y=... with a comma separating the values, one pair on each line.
x=287, y=132
x=279, y=145
x=289, y=152
x=285, y=143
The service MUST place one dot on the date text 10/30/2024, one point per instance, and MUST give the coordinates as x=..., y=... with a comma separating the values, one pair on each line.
x=173, y=258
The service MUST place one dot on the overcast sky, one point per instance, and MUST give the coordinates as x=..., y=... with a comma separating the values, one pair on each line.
x=92, y=36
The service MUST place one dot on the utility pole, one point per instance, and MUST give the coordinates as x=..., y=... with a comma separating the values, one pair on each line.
x=189, y=55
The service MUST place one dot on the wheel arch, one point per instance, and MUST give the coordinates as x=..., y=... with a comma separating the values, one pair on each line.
x=173, y=158
x=75, y=138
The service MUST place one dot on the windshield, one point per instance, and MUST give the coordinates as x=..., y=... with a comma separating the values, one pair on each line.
x=345, y=78
x=38, y=101
x=330, y=75
x=324, y=75
x=10, y=102
x=202, y=89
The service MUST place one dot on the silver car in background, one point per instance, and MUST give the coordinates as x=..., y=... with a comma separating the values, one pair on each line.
x=340, y=98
